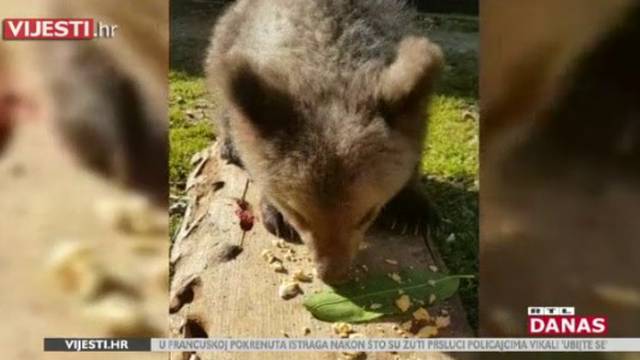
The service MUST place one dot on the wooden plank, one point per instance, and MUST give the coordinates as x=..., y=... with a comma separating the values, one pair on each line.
x=238, y=298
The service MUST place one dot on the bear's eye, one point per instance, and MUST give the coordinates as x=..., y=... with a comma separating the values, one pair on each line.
x=367, y=218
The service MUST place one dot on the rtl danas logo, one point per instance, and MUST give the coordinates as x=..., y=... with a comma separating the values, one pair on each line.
x=563, y=321
x=55, y=29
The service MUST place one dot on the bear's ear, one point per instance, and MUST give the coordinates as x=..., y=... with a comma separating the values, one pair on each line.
x=409, y=79
x=258, y=98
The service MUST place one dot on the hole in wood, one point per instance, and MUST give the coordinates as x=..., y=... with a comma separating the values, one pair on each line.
x=184, y=295
x=193, y=329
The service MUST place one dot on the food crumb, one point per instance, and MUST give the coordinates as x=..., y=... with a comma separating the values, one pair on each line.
x=279, y=243
x=132, y=215
x=451, y=238
x=342, y=329
x=278, y=267
x=431, y=282
x=288, y=290
x=433, y=268
x=300, y=275
x=427, y=332
x=432, y=298
x=421, y=314
x=75, y=269
x=375, y=306
x=353, y=355
x=395, y=277
x=403, y=303
x=391, y=261
x=406, y=326
x=268, y=256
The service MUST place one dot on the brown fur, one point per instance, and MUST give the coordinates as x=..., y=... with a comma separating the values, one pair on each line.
x=326, y=104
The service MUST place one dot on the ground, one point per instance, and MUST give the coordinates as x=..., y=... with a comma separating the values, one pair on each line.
x=450, y=161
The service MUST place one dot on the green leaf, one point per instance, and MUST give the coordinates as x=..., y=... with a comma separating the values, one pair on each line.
x=352, y=302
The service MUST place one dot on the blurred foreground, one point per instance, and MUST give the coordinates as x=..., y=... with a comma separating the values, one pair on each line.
x=83, y=179
x=560, y=163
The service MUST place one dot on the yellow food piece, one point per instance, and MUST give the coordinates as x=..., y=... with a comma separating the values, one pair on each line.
x=268, y=256
x=396, y=277
x=302, y=276
x=406, y=326
x=288, y=290
x=432, y=299
x=421, y=314
x=342, y=329
x=427, y=332
x=133, y=215
x=278, y=267
x=403, y=303
x=74, y=268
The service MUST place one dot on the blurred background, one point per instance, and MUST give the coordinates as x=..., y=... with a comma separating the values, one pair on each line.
x=83, y=179
x=84, y=154
x=560, y=161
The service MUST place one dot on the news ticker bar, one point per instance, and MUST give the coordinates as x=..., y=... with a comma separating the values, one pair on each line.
x=343, y=345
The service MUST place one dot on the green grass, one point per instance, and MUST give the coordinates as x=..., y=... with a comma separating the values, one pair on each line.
x=450, y=165
x=190, y=127
x=189, y=122
x=450, y=161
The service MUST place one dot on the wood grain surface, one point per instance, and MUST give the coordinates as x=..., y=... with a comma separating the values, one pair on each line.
x=216, y=297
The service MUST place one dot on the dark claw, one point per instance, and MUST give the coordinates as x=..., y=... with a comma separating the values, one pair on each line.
x=409, y=210
x=275, y=223
x=229, y=153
